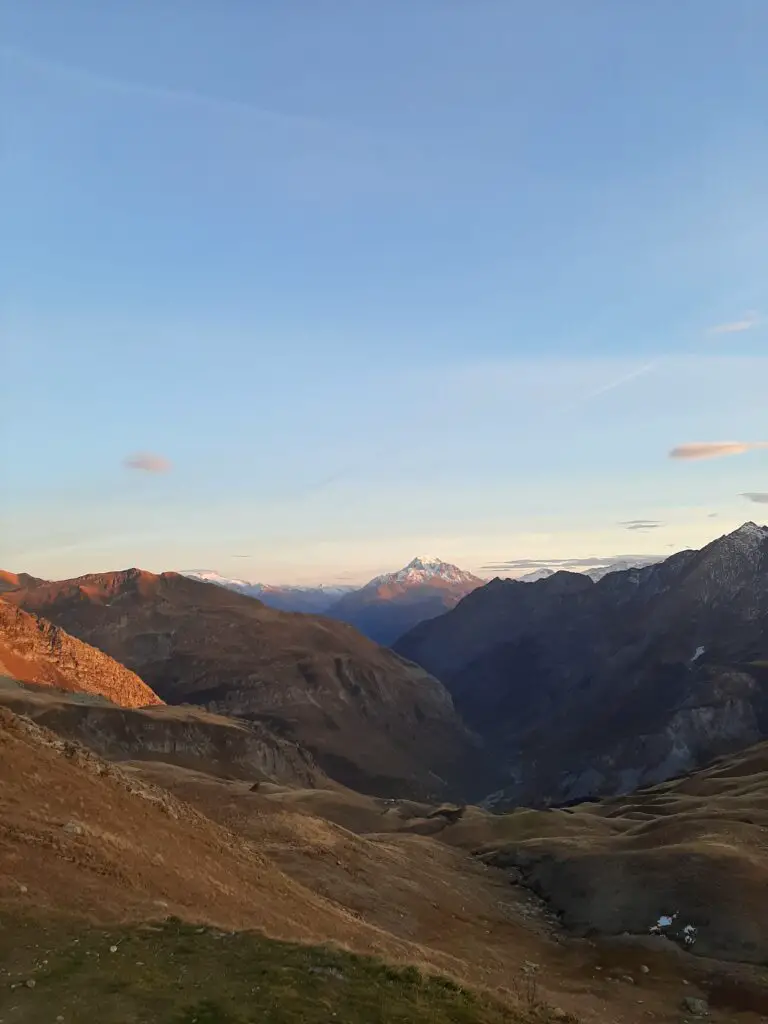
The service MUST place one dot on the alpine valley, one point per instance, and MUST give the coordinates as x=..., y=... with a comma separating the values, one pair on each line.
x=286, y=789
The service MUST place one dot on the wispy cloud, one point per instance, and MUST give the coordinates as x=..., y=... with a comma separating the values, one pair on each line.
x=748, y=321
x=642, y=524
x=714, y=449
x=126, y=87
x=760, y=497
x=147, y=463
x=611, y=385
x=524, y=564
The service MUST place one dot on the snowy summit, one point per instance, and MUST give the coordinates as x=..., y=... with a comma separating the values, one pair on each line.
x=425, y=569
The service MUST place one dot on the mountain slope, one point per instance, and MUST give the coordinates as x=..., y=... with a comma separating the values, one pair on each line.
x=371, y=720
x=35, y=651
x=392, y=604
x=603, y=687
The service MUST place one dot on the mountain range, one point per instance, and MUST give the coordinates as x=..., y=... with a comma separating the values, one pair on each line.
x=311, y=600
x=385, y=608
x=584, y=687
x=391, y=604
x=370, y=719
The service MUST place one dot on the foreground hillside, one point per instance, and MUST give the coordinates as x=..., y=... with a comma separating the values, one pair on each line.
x=370, y=719
x=35, y=651
x=183, y=974
x=94, y=857
x=585, y=688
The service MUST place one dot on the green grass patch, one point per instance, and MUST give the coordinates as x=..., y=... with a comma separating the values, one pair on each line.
x=176, y=973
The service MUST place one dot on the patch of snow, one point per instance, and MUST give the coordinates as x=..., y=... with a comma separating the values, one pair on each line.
x=664, y=921
x=698, y=654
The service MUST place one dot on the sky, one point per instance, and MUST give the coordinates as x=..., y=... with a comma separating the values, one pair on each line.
x=298, y=291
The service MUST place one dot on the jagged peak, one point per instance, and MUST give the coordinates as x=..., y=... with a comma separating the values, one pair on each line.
x=751, y=529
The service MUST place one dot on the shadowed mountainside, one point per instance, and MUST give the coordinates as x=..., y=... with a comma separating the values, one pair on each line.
x=585, y=688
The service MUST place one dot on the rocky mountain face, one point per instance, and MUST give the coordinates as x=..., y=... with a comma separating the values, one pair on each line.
x=392, y=604
x=585, y=688
x=371, y=720
x=310, y=600
x=35, y=651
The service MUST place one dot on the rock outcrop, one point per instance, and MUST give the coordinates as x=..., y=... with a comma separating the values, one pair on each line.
x=33, y=650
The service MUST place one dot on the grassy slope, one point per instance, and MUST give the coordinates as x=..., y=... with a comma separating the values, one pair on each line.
x=177, y=973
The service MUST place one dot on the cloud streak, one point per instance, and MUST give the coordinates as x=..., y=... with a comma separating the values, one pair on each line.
x=642, y=524
x=625, y=378
x=749, y=321
x=759, y=497
x=146, y=462
x=125, y=87
x=714, y=449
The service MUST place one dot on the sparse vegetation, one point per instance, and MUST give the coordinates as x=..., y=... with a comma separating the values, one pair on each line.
x=177, y=973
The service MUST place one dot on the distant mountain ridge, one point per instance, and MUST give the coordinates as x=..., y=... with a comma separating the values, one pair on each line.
x=287, y=598
x=383, y=609
x=586, y=688
x=391, y=604
x=596, y=573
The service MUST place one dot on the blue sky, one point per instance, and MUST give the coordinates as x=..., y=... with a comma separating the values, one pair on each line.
x=373, y=279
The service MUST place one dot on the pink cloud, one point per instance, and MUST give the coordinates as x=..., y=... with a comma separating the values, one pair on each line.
x=147, y=462
x=714, y=449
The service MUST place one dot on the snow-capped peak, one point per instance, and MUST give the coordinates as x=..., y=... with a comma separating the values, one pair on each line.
x=425, y=562
x=425, y=569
